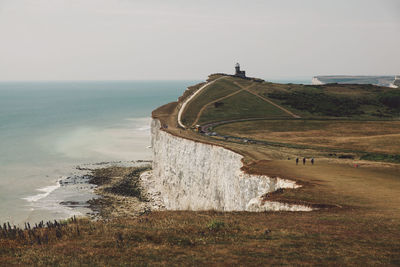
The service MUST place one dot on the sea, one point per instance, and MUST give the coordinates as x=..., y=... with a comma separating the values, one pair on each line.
x=47, y=129
x=51, y=130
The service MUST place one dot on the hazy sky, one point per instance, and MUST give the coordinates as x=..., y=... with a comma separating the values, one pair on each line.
x=189, y=39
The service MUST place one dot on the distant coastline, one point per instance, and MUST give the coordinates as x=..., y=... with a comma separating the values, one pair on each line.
x=387, y=81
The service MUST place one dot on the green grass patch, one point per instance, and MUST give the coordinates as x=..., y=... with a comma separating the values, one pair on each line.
x=391, y=99
x=381, y=157
x=241, y=106
x=339, y=100
x=215, y=225
x=316, y=102
x=217, y=90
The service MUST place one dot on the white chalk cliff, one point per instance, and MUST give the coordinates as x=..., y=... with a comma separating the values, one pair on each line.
x=195, y=176
x=316, y=81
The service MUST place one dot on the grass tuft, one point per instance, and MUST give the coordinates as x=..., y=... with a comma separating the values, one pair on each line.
x=215, y=225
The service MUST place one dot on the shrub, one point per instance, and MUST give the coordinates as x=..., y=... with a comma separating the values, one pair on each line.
x=346, y=156
x=215, y=225
x=390, y=99
x=381, y=157
x=319, y=102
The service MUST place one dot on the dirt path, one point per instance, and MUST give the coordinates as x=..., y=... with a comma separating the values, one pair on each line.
x=182, y=109
x=211, y=102
x=243, y=88
x=268, y=101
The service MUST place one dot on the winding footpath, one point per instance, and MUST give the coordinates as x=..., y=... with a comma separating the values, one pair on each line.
x=206, y=105
x=182, y=109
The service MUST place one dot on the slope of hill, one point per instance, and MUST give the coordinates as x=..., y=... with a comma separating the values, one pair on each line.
x=245, y=109
x=231, y=98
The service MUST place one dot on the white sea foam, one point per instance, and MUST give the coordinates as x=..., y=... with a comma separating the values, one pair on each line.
x=46, y=191
x=140, y=124
x=127, y=141
x=144, y=128
x=118, y=144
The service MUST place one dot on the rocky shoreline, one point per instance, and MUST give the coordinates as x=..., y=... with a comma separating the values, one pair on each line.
x=123, y=190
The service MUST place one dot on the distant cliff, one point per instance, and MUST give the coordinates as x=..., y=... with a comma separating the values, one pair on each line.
x=343, y=79
x=397, y=82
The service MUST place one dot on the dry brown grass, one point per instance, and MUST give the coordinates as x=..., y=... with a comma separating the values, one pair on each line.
x=337, y=182
x=342, y=237
x=368, y=136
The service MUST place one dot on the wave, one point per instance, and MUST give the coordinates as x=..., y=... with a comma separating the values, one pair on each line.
x=46, y=191
x=141, y=124
x=144, y=128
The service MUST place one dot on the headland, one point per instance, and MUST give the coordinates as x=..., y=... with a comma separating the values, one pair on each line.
x=252, y=172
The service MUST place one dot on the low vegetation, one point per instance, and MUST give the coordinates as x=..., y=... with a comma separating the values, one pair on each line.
x=214, y=238
x=381, y=157
x=360, y=137
x=319, y=101
x=240, y=106
x=391, y=99
x=217, y=90
x=354, y=101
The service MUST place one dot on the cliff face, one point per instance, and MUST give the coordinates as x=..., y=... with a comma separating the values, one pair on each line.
x=195, y=176
x=397, y=82
x=316, y=81
x=351, y=79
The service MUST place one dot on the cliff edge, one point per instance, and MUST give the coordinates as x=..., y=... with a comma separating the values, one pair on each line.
x=193, y=173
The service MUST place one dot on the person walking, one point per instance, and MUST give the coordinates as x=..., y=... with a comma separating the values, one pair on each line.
x=304, y=161
x=297, y=161
x=312, y=161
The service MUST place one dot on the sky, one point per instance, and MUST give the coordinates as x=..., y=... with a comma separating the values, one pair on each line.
x=190, y=39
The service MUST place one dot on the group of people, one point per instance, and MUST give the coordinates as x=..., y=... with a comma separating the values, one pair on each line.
x=304, y=161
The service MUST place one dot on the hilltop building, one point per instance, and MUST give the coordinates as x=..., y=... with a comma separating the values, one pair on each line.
x=238, y=72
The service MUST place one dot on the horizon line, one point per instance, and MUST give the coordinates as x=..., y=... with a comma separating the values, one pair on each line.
x=92, y=80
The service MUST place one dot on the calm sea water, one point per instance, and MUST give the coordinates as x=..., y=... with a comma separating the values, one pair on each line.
x=47, y=128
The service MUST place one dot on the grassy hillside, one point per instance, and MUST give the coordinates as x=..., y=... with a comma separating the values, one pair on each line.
x=341, y=100
x=355, y=138
x=361, y=120
x=332, y=100
x=240, y=106
x=347, y=106
x=217, y=90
